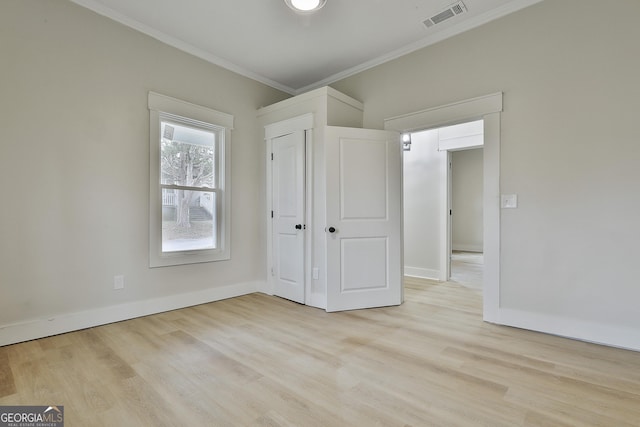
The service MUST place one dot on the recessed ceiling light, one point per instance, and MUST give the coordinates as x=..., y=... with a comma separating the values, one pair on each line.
x=305, y=6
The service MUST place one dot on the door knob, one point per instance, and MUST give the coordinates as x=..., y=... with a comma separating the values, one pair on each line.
x=298, y=226
x=332, y=229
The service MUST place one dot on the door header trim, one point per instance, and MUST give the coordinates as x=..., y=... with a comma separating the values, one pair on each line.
x=463, y=111
x=288, y=126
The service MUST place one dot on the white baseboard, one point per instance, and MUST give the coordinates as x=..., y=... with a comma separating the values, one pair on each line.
x=423, y=273
x=313, y=299
x=265, y=287
x=605, y=334
x=39, y=328
x=466, y=247
x=583, y=330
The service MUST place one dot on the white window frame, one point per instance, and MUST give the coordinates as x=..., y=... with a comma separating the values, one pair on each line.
x=162, y=107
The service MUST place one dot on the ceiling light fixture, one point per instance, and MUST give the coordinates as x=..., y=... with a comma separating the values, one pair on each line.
x=305, y=6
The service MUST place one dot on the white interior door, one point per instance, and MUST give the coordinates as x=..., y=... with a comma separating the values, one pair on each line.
x=449, y=214
x=364, y=188
x=288, y=215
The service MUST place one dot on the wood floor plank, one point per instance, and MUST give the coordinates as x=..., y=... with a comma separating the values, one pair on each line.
x=259, y=360
x=7, y=385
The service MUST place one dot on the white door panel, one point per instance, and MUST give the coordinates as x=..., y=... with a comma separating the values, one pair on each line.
x=373, y=253
x=361, y=195
x=288, y=215
x=363, y=218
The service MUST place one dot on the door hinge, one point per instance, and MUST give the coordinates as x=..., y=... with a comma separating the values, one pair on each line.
x=271, y=156
x=450, y=212
x=271, y=214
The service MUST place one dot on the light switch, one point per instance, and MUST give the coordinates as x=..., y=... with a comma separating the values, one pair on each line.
x=118, y=282
x=509, y=201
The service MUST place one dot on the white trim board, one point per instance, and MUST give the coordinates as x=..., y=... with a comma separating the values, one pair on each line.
x=488, y=108
x=167, y=104
x=469, y=24
x=69, y=322
x=324, y=92
x=464, y=247
x=301, y=123
x=285, y=127
x=445, y=115
x=422, y=273
x=103, y=10
x=583, y=330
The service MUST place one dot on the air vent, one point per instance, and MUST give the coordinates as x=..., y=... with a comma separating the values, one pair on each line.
x=451, y=11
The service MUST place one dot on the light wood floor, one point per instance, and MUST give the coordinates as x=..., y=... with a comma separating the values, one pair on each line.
x=260, y=360
x=467, y=269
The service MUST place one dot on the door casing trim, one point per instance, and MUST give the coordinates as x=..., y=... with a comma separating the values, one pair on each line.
x=487, y=108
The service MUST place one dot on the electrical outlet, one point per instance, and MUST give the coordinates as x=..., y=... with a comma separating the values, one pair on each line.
x=118, y=282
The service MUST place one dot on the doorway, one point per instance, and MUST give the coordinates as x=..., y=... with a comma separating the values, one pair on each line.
x=465, y=195
x=488, y=108
x=443, y=204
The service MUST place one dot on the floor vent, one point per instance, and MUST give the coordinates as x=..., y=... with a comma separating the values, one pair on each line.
x=451, y=11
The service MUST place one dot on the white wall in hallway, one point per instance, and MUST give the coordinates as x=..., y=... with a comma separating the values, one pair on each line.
x=466, y=189
x=425, y=186
x=424, y=168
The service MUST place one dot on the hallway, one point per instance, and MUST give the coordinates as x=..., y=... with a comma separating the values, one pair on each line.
x=467, y=269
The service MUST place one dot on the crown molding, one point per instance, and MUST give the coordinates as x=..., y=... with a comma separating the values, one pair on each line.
x=452, y=31
x=184, y=46
x=101, y=9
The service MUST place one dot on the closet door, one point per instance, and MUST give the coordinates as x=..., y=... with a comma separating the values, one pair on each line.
x=363, y=211
x=288, y=169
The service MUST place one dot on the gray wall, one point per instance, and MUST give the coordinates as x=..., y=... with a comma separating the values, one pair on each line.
x=466, y=200
x=569, y=149
x=75, y=162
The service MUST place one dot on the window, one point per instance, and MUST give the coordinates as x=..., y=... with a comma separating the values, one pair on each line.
x=189, y=182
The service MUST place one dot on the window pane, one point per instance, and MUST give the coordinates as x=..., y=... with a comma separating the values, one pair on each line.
x=188, y=220
x=187, y=156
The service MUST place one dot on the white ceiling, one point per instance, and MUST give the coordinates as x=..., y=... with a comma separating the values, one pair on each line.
x=267, y=41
